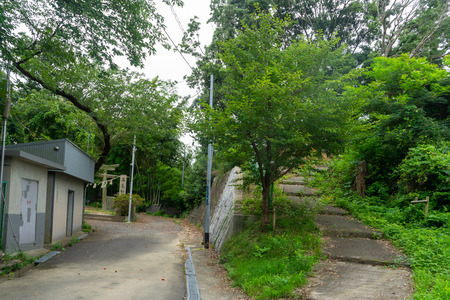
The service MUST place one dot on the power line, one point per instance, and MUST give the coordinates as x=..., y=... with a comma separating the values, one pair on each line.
x=178, y=50
x=173, y=43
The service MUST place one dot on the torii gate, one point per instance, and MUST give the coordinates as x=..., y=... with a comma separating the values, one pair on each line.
x=105, y=169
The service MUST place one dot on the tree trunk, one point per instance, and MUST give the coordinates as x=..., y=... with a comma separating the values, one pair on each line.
x=265, y=207
x=360, y=179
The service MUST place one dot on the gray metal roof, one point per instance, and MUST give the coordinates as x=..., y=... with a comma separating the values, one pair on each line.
x=77, y=162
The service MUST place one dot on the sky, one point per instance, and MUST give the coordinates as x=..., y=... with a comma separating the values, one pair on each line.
x=168, y=64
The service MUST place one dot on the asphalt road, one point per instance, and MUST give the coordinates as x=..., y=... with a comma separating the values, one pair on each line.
x=142, y=260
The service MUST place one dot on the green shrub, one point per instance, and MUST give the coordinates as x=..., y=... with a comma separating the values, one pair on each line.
x=121, y=203
x=425, y=168
x=57, y=247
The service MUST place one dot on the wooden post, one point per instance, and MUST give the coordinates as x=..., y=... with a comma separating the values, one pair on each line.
x=426, y=201
x=274, y=218
x=104, y=191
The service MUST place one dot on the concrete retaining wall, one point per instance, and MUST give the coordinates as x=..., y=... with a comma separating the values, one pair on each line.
x=225, y=220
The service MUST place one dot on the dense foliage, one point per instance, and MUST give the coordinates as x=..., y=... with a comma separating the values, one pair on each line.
x=404, y=142
x=367, y=28
x=406, y=130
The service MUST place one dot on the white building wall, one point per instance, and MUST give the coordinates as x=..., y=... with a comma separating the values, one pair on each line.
x=16, y=170
x=64, y=184
x=23, y=170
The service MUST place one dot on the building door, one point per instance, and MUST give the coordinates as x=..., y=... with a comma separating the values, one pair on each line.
x=70, y=204
x=28, y=205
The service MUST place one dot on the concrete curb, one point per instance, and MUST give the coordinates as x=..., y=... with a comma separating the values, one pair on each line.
x=193, y=292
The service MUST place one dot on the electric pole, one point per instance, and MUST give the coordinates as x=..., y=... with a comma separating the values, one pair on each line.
x=131, y=181
x=208, y=177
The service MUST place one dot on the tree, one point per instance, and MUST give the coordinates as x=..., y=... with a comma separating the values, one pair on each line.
x=41, y=115
x=368, y=28
x=67, y=41
x=414, y=26
x=406, y=107
x=351, y=22
x=280, y=102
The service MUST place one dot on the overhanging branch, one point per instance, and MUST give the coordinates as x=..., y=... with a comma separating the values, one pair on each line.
x=106, y=136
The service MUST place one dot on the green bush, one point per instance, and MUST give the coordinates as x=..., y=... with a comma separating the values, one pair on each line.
x=159, y=213
x=425, y=168
x=121, y=203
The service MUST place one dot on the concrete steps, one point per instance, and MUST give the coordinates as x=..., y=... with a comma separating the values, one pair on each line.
x=363, y=251
x=343, y=226
x=357, y=255
x=339, y=280
x=108, y=218
x=297, y=190
x=345, y=238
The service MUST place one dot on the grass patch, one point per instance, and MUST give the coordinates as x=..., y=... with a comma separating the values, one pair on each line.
x=73, y=241
x=86, y=227
x=276, y=263
x=159, y=213
x=14, y=262
x=57, y=247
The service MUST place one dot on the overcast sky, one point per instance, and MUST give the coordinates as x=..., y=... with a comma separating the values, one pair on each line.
x=170, y=65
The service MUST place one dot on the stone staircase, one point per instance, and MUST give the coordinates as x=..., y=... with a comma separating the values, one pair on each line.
x=360, y=264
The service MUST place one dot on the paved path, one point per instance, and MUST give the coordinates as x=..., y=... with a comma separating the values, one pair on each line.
x=140, y=260
x=358, y=260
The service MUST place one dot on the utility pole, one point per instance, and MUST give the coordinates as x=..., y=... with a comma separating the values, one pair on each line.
x=184, y=162
x=5, y=118
x=208, y=177
x=131, y=181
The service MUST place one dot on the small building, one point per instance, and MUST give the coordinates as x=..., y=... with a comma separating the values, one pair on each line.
x=44, y=194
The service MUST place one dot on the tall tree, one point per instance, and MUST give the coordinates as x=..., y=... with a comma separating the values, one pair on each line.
x=414, y=26
x=280, y=102
x=64, y=40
